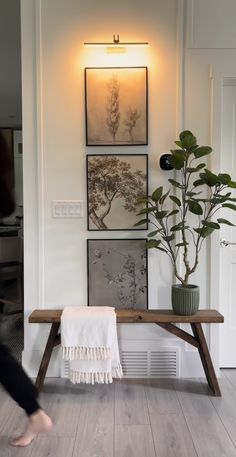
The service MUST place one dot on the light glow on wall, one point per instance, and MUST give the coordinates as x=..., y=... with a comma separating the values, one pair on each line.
x=114, y=57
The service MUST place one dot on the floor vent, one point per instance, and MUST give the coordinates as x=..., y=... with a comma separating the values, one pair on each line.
x=134, y=364
x=163, y=363
x=65, y=369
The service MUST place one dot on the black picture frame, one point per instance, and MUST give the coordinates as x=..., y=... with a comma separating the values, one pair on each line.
x=114, y=183
x=117, y=273
x=116, y=106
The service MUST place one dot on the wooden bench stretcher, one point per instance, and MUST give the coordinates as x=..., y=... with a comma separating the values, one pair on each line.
x=166, y=319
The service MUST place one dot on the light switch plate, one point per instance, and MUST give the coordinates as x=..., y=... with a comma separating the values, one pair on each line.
x=67, y=209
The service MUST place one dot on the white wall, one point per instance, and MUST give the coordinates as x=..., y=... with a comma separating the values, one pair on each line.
x=54, y=139
x=53, y=60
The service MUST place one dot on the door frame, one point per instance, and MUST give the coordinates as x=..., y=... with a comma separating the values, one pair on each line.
x=216, y=103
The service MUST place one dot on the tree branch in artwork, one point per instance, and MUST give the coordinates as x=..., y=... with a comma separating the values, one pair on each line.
x=132, y=116
x=111, y=178
x=113, y=107
x=128, y=282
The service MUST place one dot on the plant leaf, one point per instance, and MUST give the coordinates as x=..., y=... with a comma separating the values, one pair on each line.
x=153, y=233
x=175, y=200
x=232, y=184
x=161, y=249
x=178, y=159
x=188, y=140
x=169, y=237
x=175, y=183
x=194, y=207
x=194, y=169
x=175, y=211
x=191, y=194
x=202, y=151
x=147, y=210
x=225, y=221
x=229, y=205
x=160, y=214
x=222, y=195
x=199, y=182
x=152, y=243
x=178, y=226
x=224, y=178
x=210, y=178
x=204, y=231
x=213, y=225
x=219, y=199
x=141, y=222
x=157, y=194
x=178, y=245
x=178, y=143
x=162, y=199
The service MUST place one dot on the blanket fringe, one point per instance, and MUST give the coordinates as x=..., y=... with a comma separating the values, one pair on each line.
x=86, y=353
x=117, y=371
x=92, y=377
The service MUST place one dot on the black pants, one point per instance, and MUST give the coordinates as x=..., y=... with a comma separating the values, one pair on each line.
x=17, y=383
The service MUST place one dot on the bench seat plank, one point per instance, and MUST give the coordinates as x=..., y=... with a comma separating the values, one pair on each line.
x=207, y=316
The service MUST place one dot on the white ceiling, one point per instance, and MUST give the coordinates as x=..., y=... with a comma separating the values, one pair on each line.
x=10, y=63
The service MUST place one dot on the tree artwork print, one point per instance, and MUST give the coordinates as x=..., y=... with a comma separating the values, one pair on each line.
x=117, y=273
x=114, y=184
x=116, y=106
x=112, y=108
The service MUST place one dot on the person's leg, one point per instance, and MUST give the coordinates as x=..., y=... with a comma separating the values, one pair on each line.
x=23, y=391
x=16, y=382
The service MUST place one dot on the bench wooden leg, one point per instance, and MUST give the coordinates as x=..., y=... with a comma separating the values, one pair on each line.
x=206, y=359
x=53, y=340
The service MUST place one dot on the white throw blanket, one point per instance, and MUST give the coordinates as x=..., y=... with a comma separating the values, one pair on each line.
x=89, y=342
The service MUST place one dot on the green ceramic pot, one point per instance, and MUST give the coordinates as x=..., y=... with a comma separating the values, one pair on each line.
x=185, y=300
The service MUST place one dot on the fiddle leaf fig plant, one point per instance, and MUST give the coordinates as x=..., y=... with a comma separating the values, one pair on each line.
x=195, y=197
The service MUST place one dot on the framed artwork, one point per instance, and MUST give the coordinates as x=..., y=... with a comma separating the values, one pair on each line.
x=114, y=183
x=116, y=103
x=117, y=273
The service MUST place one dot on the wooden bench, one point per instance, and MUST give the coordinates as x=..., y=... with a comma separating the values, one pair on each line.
x=164, y=318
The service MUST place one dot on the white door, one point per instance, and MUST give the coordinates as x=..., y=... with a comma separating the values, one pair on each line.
x=227, y=233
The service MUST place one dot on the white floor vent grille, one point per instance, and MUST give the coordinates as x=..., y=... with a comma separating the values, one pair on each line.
x=162, y=363
x=65, y=369
x=134, y=364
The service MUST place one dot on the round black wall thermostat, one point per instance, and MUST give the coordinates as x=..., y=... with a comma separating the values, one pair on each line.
x=164, y=162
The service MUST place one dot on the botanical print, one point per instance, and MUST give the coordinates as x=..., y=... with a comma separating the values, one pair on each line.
x=117, y=273
x=116, y=106
x=114, y=183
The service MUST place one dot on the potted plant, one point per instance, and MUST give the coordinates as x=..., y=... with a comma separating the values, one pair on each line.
x=180, y=228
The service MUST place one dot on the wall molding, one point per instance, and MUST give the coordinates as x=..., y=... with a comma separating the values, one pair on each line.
x=180, y=67
x=40, y=151
x=210, y=38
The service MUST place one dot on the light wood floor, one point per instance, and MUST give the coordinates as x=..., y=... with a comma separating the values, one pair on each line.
x=161, y=418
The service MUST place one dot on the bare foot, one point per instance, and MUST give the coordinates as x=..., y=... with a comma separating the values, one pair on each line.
x=39, y=422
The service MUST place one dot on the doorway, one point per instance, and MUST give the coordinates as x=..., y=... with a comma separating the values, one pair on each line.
x=11, y=228
x=228, y=233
